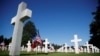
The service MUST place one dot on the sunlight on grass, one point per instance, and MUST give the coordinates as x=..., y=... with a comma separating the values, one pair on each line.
x=6, y=53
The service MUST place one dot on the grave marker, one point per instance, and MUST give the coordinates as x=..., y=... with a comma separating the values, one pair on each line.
x=76, y=40
x=92, y=48
x=87, y=45
x=18, y=21
x=46, y=45
x=28, y=46
x=66, y=47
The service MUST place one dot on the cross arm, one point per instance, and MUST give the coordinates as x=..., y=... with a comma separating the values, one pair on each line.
x=13, y=20
x=26, y=14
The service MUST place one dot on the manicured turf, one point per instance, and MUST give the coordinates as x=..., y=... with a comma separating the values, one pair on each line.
x=5, y=53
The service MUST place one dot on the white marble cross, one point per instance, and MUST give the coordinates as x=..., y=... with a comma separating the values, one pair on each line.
x=39, y=48
x=50, y=45
x=60, y=49
x=92, y=47
x=96, y=49
x=2, y=46
x=18, y=21
x=85, y=50
x=51, y=48
x=46, y=45
x=87, y=46
x=28, y=46
x=66, y=47
x=70, y=49
x=76, y=40
x=22, y=48
x=81, y=49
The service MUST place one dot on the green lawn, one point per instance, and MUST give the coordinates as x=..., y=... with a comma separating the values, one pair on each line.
x=5, y=53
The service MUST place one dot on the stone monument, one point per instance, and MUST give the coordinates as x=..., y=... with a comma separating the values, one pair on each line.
x=76, y=40
x=66, y=47
x=87, y=46
x=46, y=45
x=28, y=46
x=92, y=48
x=18, y=21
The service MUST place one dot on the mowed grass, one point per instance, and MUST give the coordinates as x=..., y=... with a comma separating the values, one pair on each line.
x=6, y=53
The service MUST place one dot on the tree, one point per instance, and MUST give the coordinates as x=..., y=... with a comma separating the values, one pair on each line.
x=56, y=46
x=29, y=31
x=9, y=39
x=1, y=38
x=95, y=28
x=5, y=40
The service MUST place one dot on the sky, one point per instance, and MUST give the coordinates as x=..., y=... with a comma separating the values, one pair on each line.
x=57, y=20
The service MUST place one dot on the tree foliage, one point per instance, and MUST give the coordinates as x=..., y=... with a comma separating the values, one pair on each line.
x=29, y=31
x=95, y=28
x=56, y=46
x=1, y=38
x=5, y=40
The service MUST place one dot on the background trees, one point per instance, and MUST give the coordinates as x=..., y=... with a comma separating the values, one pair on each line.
x=29, y=32
x=95, y=28
x=4, y=39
